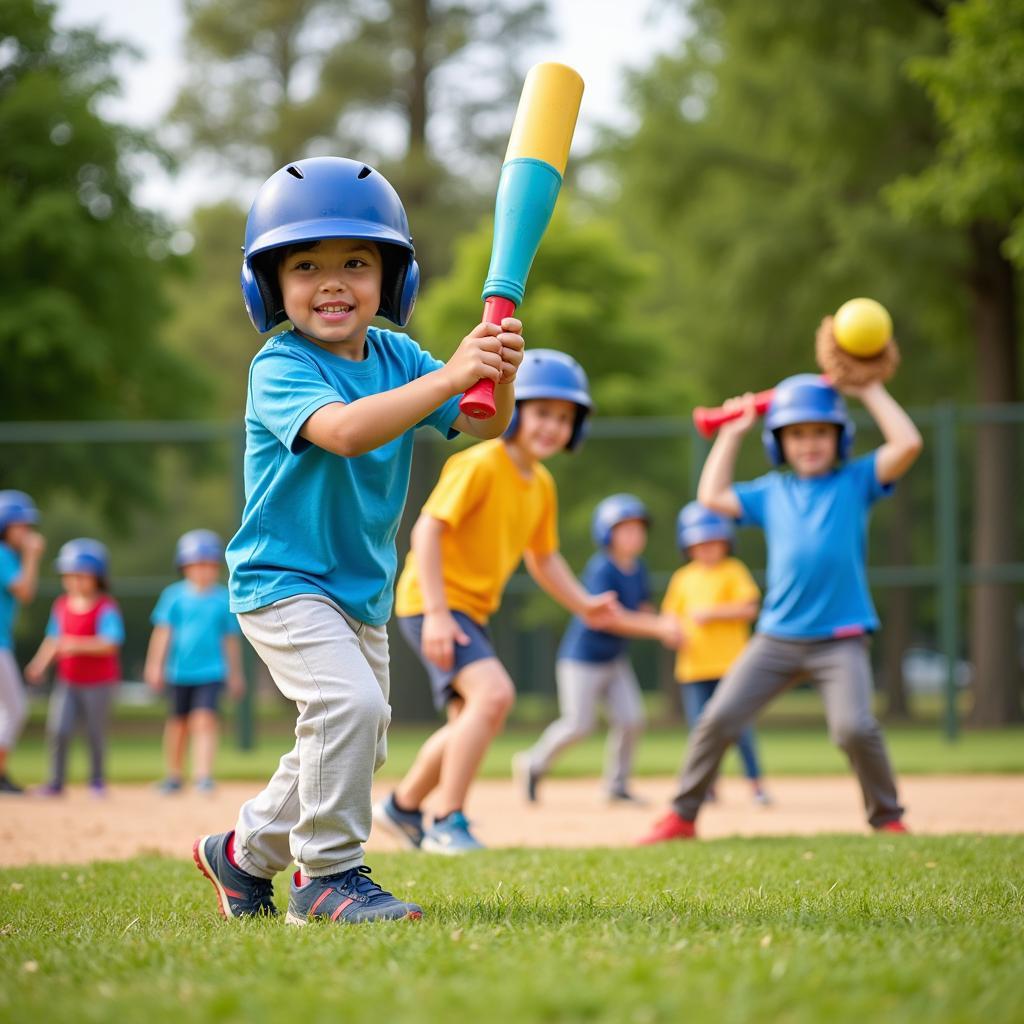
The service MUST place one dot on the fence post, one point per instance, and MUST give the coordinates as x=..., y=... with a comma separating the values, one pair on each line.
x=246, y=706
x=946, y=521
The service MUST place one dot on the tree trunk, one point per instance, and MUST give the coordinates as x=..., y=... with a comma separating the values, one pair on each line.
x=897, y=629
x=993, y=606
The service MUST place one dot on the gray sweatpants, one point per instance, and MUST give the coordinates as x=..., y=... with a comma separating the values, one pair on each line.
x=68, y=706
x=582, y=686
x=13, y=705
x=316, y=808
x=768, y=665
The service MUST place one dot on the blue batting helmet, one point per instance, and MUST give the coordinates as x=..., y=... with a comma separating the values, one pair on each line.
x=546, y=373
x=697, y=525
x=327, y=197
x=805, y=398
x=198, y=546
x=17, y=507
x=83, y=555
x=612, y=511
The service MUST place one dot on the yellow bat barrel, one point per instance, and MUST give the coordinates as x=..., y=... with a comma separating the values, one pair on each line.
x=546, y=116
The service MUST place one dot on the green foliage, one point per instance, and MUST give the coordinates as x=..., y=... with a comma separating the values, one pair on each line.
x=977, y=87
x=795, y=930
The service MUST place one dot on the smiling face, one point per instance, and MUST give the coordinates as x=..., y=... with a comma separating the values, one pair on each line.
x=331, y=291
x=810, y=448
x=545, y=426
x=709, y=552
x=629, y=538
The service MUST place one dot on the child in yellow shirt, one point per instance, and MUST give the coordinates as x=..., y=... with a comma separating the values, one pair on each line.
x=494, y=504
x=715, y=598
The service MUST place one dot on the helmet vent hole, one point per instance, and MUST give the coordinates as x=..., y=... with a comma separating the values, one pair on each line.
x=295, y=172
x=365, y=172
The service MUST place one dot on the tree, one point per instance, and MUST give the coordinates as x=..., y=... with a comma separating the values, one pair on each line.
x=974, y=184
x=82, y=269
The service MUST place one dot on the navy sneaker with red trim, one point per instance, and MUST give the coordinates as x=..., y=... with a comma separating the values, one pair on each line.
x=239, y=894
x=351, y=897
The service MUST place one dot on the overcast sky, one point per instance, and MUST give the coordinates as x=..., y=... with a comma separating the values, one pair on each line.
x=600, y=38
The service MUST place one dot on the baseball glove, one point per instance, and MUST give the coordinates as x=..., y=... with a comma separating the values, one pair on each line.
x=843, y=369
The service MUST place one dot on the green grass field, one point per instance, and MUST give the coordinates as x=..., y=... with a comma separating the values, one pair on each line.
x=784, y=751
x=795, y=930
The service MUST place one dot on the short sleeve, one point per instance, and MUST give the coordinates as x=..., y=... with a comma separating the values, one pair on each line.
x=164, y=609
x=110, y=625
x=10, y=567
x=599, y=576
x=285, y=389
x=442, y=418
x=545, y=537
x=753, y=498
x=742, y=586
x=672, y=603
x=53, y=624
x=865, y=474
x=460, y=488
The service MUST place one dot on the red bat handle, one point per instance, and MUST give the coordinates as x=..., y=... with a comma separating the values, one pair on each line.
x=708, y=420
x=478, y=402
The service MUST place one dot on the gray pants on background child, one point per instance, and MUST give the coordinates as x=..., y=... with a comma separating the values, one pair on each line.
x=13, y=704
x=768, y=666
x=316, y=808
x=68, y=705
x=582, y=686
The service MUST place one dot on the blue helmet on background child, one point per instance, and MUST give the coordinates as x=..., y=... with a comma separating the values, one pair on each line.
x=614, y=510
x=697, y=524
x=805, y=398
x=326, y=197
x=83, y=555
x=17, y=507
x=198, y=546
x=546, y=373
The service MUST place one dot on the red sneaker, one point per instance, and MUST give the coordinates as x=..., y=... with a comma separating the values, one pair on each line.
x=672, y=826
x=893, y=826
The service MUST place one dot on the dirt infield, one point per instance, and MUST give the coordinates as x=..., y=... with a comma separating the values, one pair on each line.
x=136, y=820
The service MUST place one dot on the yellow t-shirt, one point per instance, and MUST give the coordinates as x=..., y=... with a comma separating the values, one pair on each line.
x=712, y=647
x=493, y=514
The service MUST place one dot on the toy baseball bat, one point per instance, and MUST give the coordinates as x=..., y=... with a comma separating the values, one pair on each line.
x=707, y=419
x=528, y=187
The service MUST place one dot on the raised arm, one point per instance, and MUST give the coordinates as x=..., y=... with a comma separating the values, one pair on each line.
x=902, y=440
x=715, y=490
x=26, y=584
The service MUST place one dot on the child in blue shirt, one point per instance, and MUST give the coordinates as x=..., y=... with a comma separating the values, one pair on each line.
x=194, y=650
x=21, y=548
x=331, y=411
x=817, y=613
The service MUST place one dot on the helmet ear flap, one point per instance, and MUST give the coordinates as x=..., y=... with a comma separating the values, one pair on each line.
x=259, y=297
x=513, y=424
x=407, y=293
x=772, y=447
x=580, y=430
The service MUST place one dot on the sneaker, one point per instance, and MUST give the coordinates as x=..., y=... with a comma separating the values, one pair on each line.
x=894, y=826
x=525, y=776
x=239, y=894
x=762, y=798
x=8, y=787
x=169, y=786
x=450, y=836
x=711, y=796
x=405, y=826
x=672, y=826
x=48, y=790
x=98, y=789
x=624, y=796
x=352, y=897
x=205, y=785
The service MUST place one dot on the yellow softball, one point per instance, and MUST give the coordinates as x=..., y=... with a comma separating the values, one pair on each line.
x=862, y=327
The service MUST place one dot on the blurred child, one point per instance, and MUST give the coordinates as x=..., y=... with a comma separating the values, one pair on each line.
x=817, y=613
x=332, y=408
x=193, y=650
x=21, y=547
x=593, y=666
x=84, y=638
x=493, y=504
x=714, y=598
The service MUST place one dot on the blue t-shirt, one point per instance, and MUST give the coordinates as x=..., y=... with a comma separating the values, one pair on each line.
x=583, y=644
x=816, y=533
x=315, y=522
x=198, y=620
x=10, y=570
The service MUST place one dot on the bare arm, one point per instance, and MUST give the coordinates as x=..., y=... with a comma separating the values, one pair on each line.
x=715, y=490
x=355, y=428
x=555, y=578
x=233, y=656
x=35, y=670
x=25, y=586
x=441, y=631
x=94, y=645
x=903, y=442
x=156, y=655
x=741, y=611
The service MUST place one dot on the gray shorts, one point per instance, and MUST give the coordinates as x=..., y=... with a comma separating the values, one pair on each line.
x=13, y=704
x=478, y=648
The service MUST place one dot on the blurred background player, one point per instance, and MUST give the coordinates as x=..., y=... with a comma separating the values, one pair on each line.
x=494, y=504
x=714, y=599
x=194, y=650
x=817, y=613
x=21, y=548
x=593, y=666
x=84, y=636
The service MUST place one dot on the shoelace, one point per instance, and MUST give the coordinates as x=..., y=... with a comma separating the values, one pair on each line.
x=360, y=880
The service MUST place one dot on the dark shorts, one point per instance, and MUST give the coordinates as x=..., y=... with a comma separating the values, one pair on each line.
x=184, y=698
x=478, y=648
